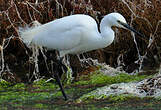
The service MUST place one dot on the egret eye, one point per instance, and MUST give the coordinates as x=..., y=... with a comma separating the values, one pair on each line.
x=118, y=21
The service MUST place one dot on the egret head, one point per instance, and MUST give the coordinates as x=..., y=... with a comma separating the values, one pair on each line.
x=118, y=20
x=114, y=19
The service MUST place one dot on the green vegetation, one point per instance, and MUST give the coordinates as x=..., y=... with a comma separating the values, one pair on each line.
x=98, y=78
x=4, y=84
x=46, y=95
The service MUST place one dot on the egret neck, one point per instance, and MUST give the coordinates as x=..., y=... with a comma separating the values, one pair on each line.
x=107, y=34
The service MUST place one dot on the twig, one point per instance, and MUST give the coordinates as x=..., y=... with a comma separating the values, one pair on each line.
x=128, y=7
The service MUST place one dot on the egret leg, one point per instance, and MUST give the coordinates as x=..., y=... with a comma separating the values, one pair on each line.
x=60, y=85
x=59, y=66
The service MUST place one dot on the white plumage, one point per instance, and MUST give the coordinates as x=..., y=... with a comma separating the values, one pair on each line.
x=74, y=34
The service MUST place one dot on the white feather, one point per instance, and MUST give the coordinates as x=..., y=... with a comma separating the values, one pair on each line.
x=73, y=34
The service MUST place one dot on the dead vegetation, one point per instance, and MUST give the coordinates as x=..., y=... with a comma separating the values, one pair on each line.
x=144, y=16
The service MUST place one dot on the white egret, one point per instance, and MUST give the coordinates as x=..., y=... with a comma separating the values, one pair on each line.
x=75, y=34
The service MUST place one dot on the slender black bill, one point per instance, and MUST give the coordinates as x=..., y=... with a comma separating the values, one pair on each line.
x=131, y=29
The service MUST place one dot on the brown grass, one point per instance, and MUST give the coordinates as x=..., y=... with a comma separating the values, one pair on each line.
x=143, y=15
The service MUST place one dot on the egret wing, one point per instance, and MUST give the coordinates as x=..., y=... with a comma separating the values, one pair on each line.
x=59, y=37
x=65, y=33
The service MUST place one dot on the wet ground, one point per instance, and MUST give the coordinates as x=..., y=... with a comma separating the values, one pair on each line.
x=47, y=96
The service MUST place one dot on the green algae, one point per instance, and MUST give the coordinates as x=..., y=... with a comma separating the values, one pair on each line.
x=40, y=106
x=4, y=84
x=122, y=98
x=98, y=78
x=43, y=85
x=43, y=94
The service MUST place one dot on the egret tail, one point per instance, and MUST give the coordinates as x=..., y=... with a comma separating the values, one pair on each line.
x=27, y=33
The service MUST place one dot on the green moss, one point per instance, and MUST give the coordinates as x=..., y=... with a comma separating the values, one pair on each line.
x=43, y=85
x=99, y=78
x=40, y=82
x=57, y=94
x=19, y=86
x=40, y=106
x=11, y=96
x=19, y=93
x=4, y=84
x=46, y=95
x=82, y=83
x=3, y=108
x=112, y=98
x=121, y=98
x=17, y=105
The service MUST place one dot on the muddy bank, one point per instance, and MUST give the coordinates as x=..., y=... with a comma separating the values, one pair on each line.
x=45, y=94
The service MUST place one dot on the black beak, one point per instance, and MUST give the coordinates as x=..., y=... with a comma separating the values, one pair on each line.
x=131, y=29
